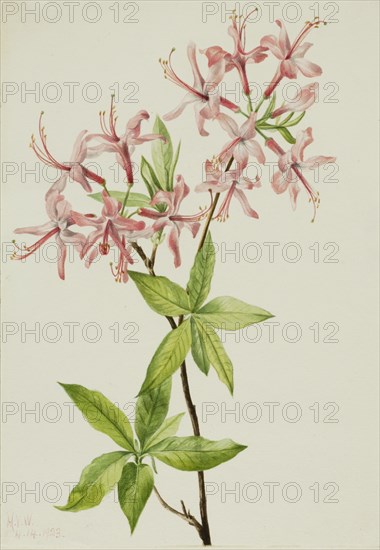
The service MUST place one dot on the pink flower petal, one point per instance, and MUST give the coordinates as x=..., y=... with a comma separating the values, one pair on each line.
x=308, y=68
x=134, y=124
x=270, y=41
x=314, y=163
x=294, y=189
x=303, y=139
x=248, y=128
x=36, y=229
x=199, y=119
x=240, y=196
x=173, y=242
x=280, y=181
x=288, y=68
x=229, y=125
x=192, y=55
x=62, y=257
x=187, y=100
x=254, y=149
x=283, y=40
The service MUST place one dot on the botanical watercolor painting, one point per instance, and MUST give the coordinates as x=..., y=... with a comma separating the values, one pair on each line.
x=147, y=212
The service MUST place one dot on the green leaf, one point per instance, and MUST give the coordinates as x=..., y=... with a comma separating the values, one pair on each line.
x=195, y=453
x=198, y=349
x=231, y=314
x=201, y=274
x=295, y=120
x=151, y=410
x=161, y=294
x=173, y=167
x=287, y=119
x=103, y=415
x=168, y=357
x=286, y=135
x=149, y=177
x=96, y=480
x=134, y=489
x=270, y=107
x=216, y=353
x=168, y=429
x=162, y=154
x=135, y=199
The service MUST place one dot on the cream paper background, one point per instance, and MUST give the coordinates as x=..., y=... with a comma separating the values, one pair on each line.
x=47, y=450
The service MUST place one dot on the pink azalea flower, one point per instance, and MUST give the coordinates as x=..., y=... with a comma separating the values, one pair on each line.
x=304, y=99
x=232, y=181
x=239, y=59
x=291, y=165
x=73, y=169
x=59, y=212
x=243, y=143
x=203, y=94
x=171, y=217
x=123, y=145
x=110, y=226
x=291, y=56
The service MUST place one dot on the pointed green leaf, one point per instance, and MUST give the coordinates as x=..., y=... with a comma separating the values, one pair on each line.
x=149, y=177
x=201, y=274
x=216, y=353
x=295, y=120
x=283, y=122
x=198, y=349
x=168, y=357
x=232, y=314
x=134, y=489
x=151, y=410
x=286, y=135
x=270, y=107
x=168, y=429
x=161, y=294
x=96, y=480
x=103, y=415
x=162, y=154
x=195, y=453
x=134, y=199
x=173, y=167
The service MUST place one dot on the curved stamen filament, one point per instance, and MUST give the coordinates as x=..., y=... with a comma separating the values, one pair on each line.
x=171, y=75
x=193, y=217
x=44, y=154
x=304, y=32
x=28, y=250
x=109, y=130
x=223, y=213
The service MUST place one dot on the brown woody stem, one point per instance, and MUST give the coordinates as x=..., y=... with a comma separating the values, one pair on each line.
x=203, y=528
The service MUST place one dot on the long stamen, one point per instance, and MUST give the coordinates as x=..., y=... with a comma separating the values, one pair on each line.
x=110, y=129
x=26, y=251
x=43, y=137
x=121, y=266
x=223, y=213
x=243, y=27
x=44, y=154
x=193, y=217
x=170, y=74
x=314, y=196
x=104, y=247
x=309, y=25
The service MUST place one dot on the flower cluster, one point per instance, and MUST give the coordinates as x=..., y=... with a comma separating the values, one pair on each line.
x=158, y=212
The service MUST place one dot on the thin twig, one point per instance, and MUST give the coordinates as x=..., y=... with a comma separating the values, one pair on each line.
x=191, y=520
